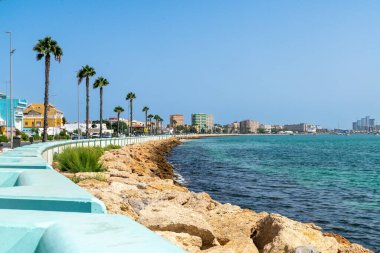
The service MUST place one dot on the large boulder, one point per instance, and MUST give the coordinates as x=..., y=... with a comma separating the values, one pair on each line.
x=243, y=245
x=277, y=234
x=188, y=242
x=164, y=216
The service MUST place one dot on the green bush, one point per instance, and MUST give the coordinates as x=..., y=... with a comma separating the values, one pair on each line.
x=50, y=137
x=3, y=138
x=83, y=159
x=24, y=137
x=111, y=146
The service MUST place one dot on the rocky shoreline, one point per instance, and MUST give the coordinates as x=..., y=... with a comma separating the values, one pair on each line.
x=139, y=183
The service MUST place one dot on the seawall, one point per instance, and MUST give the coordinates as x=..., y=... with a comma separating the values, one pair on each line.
x=41, y=211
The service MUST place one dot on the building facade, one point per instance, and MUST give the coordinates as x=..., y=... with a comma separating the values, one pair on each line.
x=6, y=120
x=203, y=122
x=266, y=128
x=249, y=126
x=34, y=116
x=177, y=118
x=301, y=127
x=364, y=124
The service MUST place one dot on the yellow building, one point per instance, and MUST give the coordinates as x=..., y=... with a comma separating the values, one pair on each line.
x=34, y=116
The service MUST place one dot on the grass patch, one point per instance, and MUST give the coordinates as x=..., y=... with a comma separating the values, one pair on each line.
x=111, y=146
x=82, y=159
x=98, y=177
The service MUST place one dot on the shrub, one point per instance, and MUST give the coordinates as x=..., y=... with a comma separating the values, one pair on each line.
x=50, y=137
x=3, y=138
x=36, y=137
x=111, y=146
x=24, y=136
x=82, y=159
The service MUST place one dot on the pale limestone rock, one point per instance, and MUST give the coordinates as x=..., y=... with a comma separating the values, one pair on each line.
x=165, y=216
x=275, y=233
x=242, y=245
x=188, y=242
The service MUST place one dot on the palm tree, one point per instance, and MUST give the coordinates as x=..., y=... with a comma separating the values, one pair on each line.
x=150, y=116
x=130, y=96
x=160, y=124
x=86, y=72
x=101, y=82
x=156, y=118
x=146, y=109
x=118, y=109
x=45, y=48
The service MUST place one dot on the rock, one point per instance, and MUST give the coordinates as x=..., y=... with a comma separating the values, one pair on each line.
x=242, y=245
x=163, y=216
x=275, y=233
x=188, y=242
x=345, y=246
x=231, y=223
x=305, y=249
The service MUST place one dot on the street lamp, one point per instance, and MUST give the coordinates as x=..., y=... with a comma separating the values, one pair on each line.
x=79, y=133
x=11, y=116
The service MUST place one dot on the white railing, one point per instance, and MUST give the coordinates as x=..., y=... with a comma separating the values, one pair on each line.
x=57, y=147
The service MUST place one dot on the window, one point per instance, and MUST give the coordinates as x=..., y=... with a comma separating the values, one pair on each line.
x=38, y=123
x=26, y=123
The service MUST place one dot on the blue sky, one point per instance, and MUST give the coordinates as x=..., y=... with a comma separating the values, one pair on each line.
x=273, y=61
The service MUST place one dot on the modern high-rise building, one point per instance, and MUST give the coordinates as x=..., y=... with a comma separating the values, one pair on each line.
x=204, y=122
x=6, y=120
x=177, y=119
x=364, y=124
x=249, y=126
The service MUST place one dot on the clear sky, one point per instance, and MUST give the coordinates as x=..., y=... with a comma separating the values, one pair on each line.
x=273, y=61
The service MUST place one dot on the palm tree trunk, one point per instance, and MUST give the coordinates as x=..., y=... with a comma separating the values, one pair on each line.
x=87, y=105
x=146, y=120
x=118, y=119
x=101, y=111
x=130, y=117
x=46, y=98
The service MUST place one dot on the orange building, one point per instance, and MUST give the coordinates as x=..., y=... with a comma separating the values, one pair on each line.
x=177, y=119
x=34, y=116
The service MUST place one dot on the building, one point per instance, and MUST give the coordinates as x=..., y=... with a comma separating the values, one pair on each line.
x=204, y=122
x=34, y=116
x=233, y=127
x=301, y=127
x=249, y=126
x=178, y=118
x=6, y=120
x=364, y=124
x=266, y=128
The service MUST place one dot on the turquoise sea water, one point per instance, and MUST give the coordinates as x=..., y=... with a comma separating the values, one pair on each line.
x=330, y=180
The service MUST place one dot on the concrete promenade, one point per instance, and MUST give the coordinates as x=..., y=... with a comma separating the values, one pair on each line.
x=44, y=212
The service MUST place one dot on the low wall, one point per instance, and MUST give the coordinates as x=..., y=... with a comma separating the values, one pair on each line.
x=56, y=148
x=47, y=209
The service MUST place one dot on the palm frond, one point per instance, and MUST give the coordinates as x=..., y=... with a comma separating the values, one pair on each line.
x=39, y=56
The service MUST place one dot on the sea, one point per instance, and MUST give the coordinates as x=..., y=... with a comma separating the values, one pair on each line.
x=330, y=180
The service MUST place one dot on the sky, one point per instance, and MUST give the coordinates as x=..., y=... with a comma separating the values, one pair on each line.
x=273, y=61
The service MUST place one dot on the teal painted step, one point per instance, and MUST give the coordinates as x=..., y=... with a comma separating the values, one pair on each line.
x=44, y=190
x=56, y=232
x=23, y=162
